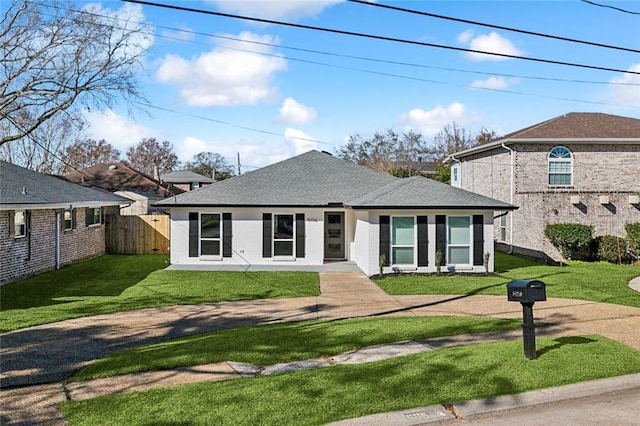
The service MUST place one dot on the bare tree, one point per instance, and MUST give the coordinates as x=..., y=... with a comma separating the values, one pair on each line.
x=89, y=152
x=389, y=152
x=57, y=58
x=210, y=164
x=43, y=149
x=149, y=153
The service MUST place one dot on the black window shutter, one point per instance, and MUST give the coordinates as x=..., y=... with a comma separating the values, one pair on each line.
x=266, y=234
x=27, y=231
x=73, y=218
x=478, y=239
x=423, y=241
x=194, y=235
x=227, y=248
x=385, y=239
x=300, y=236
x=86, y=215
x=441, y=237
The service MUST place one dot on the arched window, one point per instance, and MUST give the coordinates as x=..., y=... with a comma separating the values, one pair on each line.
x=560, y=167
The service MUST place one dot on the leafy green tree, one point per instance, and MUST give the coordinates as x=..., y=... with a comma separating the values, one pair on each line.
x=569, y=238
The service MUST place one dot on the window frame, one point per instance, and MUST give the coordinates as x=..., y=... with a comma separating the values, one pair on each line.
x=93, y=216
x=556, y=159
x=218, y=239
x=70, y=220
x=19, y=228
x=455, y=175
x=503, y=227
x=468, y=244
x=274, y=223
x=414, y=246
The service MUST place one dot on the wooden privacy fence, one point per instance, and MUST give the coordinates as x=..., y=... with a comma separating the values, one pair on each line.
x=145, y=234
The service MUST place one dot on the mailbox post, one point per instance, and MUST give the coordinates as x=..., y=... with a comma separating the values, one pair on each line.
x=527, y=292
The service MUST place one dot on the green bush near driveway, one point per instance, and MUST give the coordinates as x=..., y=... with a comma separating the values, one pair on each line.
x=276, y=343
x=115, y=283
x=345, y=391
x=596, y=281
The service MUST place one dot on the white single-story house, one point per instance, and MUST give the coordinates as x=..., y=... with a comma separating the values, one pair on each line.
x=316, y=208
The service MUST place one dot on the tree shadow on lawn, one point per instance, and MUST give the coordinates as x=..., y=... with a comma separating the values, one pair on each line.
x=107, y=275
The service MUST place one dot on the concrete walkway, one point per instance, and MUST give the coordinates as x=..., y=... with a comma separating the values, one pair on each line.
x=48, y=354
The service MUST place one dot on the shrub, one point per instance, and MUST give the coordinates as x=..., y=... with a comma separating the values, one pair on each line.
x=633, y=239
x=569, y=238
x=612, y=249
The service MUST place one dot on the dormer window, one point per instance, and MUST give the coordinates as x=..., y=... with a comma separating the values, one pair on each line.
x=560, y=167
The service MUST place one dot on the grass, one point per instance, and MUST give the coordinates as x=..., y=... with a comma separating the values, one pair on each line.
x=277, y=343
x=329, y=394
x=599, y=281
x=115, y=283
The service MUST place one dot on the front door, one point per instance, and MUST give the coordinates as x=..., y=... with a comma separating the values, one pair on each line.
x=334, y=235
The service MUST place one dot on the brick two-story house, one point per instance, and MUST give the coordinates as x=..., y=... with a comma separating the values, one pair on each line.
x=576, y=168
x=47, y=222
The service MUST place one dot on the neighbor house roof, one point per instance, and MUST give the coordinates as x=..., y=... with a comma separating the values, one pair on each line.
x=574, y=127
x=185, y=176
x=25, y=188
x=319, y=179
x=114, y=176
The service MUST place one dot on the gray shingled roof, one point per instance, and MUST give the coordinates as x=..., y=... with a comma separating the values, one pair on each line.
x=421, y=192
x=319, y=179
x=20, y=186
x=184, y=176
x=578, y=127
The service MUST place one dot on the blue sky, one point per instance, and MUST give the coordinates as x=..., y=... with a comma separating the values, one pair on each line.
x=230, y=86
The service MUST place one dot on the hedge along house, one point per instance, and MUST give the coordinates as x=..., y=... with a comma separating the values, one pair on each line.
x=316, y=208
x=47, y=222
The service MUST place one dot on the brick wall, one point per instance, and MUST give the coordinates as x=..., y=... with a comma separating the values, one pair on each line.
x=598, y=169
x=28, y=256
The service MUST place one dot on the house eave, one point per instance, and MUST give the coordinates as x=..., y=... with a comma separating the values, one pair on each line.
x=558, y=141
x=60, y=205
x=439, y=208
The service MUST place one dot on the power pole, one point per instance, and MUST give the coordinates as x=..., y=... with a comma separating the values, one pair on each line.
x=239, y=171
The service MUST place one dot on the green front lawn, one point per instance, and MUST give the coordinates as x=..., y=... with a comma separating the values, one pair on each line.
x=344, y=391
x=598, y=281
x=277, y=343
x=115, y=283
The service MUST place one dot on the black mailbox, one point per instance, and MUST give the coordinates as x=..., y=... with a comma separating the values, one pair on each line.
x=526, y=291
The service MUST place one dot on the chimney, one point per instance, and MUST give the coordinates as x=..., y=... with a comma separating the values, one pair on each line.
x=156, y=174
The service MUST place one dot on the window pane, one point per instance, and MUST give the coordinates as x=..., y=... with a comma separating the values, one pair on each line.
x=210, y=226
x=402, y=255
x=560, y=167
x=283, y=227
x=564, y=180
x=459, y=230
x=458, y=255
x=96, y=216
x=402, y=231
x=209, y=247
x=283, y=248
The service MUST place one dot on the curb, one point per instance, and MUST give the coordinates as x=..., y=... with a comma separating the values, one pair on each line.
x=483, y=407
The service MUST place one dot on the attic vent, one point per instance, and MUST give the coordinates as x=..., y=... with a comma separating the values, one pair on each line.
x=112, y=167
x=327, y=152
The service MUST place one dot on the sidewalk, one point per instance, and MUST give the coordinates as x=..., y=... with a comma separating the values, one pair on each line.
x=48, y=354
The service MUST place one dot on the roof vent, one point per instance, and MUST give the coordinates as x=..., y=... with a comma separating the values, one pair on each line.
x=24, y=190
x=112, y=167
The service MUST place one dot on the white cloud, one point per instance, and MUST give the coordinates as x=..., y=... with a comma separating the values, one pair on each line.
x=431, y=122
x=624, y=94
x=225, y=77
x=496, y=83
x=121, y=132
x=492, y=42
x=277, y=9
x=295, y=113
x=300, y=141
x=253, y=153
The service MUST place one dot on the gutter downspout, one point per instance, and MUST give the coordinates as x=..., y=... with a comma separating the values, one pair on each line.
x=511, y=194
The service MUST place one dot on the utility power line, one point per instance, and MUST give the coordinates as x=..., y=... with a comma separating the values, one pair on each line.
x=619, y=9
x=376, y=37
x=499, y=27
